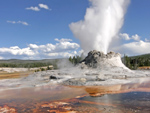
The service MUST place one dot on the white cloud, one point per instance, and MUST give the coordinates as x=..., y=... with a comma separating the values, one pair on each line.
x=13, y=22
x=63, y=40
x=18, y=22
x=33, y=8
x=147, y=40
x=44, y=6
x=36, y=8
x=15, y=50
x=126, y=36
x=33, y=46
x=133, y=48
x=136, y=37
x=1, y=58
x=24, y=23
x=136, y=46
x=63, y=48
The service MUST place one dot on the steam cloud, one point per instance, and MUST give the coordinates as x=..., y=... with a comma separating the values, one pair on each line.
x=102, y=22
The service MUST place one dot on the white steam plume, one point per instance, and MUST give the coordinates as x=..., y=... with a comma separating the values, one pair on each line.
x=101, y=24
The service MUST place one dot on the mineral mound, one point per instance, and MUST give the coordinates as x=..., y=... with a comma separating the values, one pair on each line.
x=99, y=68
x=97, y=59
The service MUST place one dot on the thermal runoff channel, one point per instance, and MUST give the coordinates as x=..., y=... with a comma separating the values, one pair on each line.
x=101, y=24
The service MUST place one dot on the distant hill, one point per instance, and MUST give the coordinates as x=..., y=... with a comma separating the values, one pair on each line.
x=141, y=56
x=29, y=63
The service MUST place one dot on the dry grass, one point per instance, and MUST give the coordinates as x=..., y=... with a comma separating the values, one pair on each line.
x=145, y=67
x=6, y=75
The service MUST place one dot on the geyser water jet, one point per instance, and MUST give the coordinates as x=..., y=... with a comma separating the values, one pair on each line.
x=102, y=22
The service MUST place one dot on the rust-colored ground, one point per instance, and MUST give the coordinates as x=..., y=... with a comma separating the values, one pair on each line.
x=6, y=75
x=95, y=91
x=62, y=99
x=6, y=109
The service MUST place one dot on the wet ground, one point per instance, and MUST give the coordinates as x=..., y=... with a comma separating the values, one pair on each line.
x=127, y=98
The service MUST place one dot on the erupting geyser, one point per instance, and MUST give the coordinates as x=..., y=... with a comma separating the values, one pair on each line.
x=102, y=22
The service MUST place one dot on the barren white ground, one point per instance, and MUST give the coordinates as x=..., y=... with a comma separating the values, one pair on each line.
x=77, y=76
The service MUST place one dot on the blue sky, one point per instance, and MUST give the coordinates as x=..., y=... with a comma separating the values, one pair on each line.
x=44, y=25
x=22, y=28
x=137, y=19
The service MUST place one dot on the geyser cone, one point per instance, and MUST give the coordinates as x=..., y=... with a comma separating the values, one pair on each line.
x=97, y=59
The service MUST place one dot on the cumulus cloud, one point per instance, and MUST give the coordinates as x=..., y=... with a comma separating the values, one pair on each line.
x=136, y=37
x=15, y=50
x=44, y=6
x=33, y=8
x=18, y=22
x=134, y=45
x=64, y=48
x=133, y=48
x=126, y=36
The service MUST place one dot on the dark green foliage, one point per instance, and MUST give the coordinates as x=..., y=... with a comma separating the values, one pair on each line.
x=29, y=63
x=42, y=69
x=75, y=59
x=70, y=59
x=24, y=65
x=136, y=61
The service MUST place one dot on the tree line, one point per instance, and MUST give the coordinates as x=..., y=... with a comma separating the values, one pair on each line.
x=27, y=65
x=135, y=62
x=75, y=59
